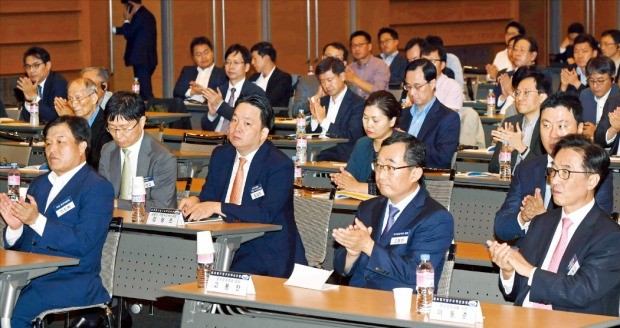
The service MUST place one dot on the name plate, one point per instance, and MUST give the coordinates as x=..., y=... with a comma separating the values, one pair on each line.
x=456, y=310
x=233, y=283
x=165, y=217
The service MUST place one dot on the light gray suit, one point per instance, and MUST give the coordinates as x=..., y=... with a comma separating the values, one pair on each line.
x=154, y=160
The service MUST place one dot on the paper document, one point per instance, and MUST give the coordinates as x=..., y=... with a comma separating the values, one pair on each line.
x=340, y=194
x=311, y=278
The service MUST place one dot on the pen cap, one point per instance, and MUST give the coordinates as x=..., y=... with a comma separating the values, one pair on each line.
x=204, y=247
x=138, y=186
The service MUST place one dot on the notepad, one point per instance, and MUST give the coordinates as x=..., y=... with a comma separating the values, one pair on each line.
x=340, y=194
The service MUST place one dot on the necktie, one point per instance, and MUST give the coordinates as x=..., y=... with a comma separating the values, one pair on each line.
x=126, y=175
x=231, y=103
x=39, y=91
x=547, y=198
x=390, y=222
x=237, y=188
x=558, y=253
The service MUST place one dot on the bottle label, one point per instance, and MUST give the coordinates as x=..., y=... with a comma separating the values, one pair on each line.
x=14, y=180
x=34, y=108
x=302, y=142
x=205, y=258
x=138, y=198
x=425, y=279
x=504, y=156
x=297, y=172
x=135, y=88
x=301, y=121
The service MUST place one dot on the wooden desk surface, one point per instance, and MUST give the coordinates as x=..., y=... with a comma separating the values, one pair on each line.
x=165, y=115
x=372, y=306
x=497, y=118
x=474, y=254
x=21, y=127
x=24, y=173
x=183, y=155
x=195, y=187
x=15, y=261
x=177, y=134
x=474, y=154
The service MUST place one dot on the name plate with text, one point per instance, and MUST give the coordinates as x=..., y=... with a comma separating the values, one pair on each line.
x=233, y=283
x=165, y=217
x=456, y=310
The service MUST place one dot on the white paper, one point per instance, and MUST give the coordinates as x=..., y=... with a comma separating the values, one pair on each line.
x=311, y=278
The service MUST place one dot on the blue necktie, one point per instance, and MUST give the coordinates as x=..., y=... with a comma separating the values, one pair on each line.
x=390, y=222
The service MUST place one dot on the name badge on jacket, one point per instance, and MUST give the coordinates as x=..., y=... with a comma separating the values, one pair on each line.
x=148, y=182
x=257, y=192
x=64, y=206
x=573, y=266
x=399, y=238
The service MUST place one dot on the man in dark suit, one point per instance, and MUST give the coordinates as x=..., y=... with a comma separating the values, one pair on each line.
x=135, y=153
x=66, y=213
x=602, y=87
x=382, y=248
x=524, y=53
x=570, y=258
x=522, y=131
x=222, y=99
x=606, y=134
x=436, y=125
x=388, y=42
x=40, y=86
x=339, y=113
x=277, y=83
x=247, y=182
x=194, y=79
x=140, y=30
x=530, y=193
x=574, y=77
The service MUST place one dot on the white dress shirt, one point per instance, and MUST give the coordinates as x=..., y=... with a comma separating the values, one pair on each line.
x=204, y=74
x=600, y=104
x=246, y=167
x=262, y=80
x=332, y=112
x=237, y=87
x=400, y=206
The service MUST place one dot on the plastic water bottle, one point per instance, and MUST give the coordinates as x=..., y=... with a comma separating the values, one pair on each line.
x=310, y=70
x=505, y=155
x=425, y=282
x=491, y=103
x=14, y=181
x=205, y=265
x=138, y=200
x=302, y=142
x=34, y=114
x=135, y=86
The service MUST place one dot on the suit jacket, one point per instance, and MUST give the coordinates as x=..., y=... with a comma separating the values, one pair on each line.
x=99, y=137
x=190, y=73
x=78, y=233
x=529, y=176
x=398, y=68
x=440, y=133
x=536, y=147
x=155, y=161
x=600, y=135
x=55, y=86
x=275, y=253
x=279, y=87
x=141, y=36
x=589, y=104
x=306, y=87
x=595, y=287
x=348, y=124
x=225, y=110
x=429, y=228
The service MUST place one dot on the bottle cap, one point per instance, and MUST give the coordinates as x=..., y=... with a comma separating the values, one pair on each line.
x=138, y=186
x=425, y=257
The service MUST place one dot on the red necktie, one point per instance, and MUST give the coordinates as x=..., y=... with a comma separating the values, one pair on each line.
x=237, y=188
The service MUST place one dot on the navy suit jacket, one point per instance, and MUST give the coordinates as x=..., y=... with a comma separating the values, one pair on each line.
x=55, y=86
x=225, y=109
x=529, y=176
x=536, y=147
x=440, y=133
x=429, y=228
x=141, y=36
x=595, y=287
x=190, y=73
x=275, y=253
x=398, y=68
x=589, y=104
x=279, y=88
x=348, y=124
x=600, y=135
x=79, y=233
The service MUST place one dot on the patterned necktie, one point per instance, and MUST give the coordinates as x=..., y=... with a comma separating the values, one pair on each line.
x=390, y=222
x=126, y=175
x=237, y=188
x=558, y=253
x=231, y=103
x=39, y=91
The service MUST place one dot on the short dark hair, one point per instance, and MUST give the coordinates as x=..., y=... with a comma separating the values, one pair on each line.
x=78, y=126
x=434, y=39
x=576, y=28
x=339, y=46
x=200, y=40
x=586, y=38
x=565, y=99
x=415, y=41
x=429, y=70
x=615, y=34
x=263, y=104
x=127, y=105
x=386, y=102
x=415, y=152
x=392, y=32
x=601, y=65
x=430, y=48
x=329, y=64
x=101, y=72
x=360, y=33
x=516, y=25
x=531, y=40
x=265, y=48
x=243, y=51
x=37, y=52
x=542, y=82
x=594, y=158
x=126, y=1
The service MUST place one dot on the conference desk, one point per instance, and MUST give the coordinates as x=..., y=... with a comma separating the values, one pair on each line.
x=164, y=117
x=173, y=137
x=197, y=111
x=22, y=129
x=284, y=125
x=26, y=175
x=315, y=145
x=473, y=160
x=278, y=305
x=151, y=256
x=16, y=271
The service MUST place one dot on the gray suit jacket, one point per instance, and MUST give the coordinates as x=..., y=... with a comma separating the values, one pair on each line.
x=154, y=160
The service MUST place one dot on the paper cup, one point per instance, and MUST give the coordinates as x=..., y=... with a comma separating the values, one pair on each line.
x=402, y=300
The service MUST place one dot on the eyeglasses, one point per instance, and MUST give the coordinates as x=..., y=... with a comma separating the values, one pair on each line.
x=233, y=63
x=527, y=93
x=563, y=173
x=358, y=45
x=389, y=169
x=409, y=87
x=35, y=66
x=204, y=53
x=385, y=41
x=599, y=82
x=115, y=131
x=72, y=100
